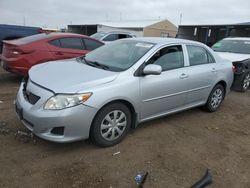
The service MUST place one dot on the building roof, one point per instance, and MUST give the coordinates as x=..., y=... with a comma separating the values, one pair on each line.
x=216, y=25
x=131, y=24
x=126, y=24
x=244, y=23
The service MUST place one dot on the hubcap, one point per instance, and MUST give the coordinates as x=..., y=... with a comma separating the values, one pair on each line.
x=113, y=125
x=216, y=98
x=246, y=82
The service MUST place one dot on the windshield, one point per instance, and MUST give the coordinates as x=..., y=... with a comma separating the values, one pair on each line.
x=119, y=55
x=233, y=46
x=99, y=35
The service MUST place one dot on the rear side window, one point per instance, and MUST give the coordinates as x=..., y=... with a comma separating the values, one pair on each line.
x=199, y=56
x=55, y=43
x=122, y=36
x=111, y=37
x=72, y=42
x=91, y=44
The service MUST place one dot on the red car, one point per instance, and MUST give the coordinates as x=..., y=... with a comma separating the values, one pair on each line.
x=20, y=55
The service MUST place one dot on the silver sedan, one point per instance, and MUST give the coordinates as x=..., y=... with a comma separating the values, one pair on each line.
x=115, y=87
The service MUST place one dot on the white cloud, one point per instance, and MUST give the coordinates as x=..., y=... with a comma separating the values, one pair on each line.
x=59, y=13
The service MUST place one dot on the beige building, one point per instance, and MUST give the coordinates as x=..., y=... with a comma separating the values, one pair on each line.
x=162, y=28
x=148, y=28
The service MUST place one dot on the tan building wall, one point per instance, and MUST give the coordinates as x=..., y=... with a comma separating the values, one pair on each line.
x=161, y=29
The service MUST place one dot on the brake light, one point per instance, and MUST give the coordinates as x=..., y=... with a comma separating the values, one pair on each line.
x=15, y=52
x=233, y=68
x=40, y=30
x=21, y=51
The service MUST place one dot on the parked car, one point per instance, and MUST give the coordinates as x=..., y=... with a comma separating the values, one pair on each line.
x=236, y=50
x=10, y=32
x=20, y=55
x=119, y=85
x=111, y=36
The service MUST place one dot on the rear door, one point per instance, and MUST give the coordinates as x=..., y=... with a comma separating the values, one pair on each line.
x=91, y=44
x=67, y=47
x=202, y=74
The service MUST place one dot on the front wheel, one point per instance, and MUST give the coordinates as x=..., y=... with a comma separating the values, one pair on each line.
x=215, y=98
x=111, y=125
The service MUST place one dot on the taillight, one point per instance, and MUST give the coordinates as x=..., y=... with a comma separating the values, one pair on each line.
x=233, y=68
x=16, y=52
x=21, y=51
x=40, y=30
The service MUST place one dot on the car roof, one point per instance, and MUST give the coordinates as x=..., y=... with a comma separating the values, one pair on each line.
x=43, y=36
x=162, y=41
x=237, y=38
x=115, y=32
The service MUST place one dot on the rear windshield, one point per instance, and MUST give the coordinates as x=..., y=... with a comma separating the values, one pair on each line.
x=232, y=46
x=32, y=38
x=98, y=35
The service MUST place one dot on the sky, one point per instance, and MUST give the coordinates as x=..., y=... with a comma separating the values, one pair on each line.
x=60, y=13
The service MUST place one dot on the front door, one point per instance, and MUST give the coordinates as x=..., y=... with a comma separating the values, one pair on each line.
x=165, y=92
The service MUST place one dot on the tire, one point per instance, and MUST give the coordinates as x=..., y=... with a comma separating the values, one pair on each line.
x=111, y=125
x=245, y=82
x=215, y=98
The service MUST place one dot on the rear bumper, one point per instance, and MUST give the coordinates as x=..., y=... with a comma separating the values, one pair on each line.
x=242, y=68
x=14, y=65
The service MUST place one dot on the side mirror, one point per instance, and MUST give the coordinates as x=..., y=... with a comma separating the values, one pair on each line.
x=152, y=69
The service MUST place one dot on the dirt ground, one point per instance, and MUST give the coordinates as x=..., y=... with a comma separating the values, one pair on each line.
x=175, y=150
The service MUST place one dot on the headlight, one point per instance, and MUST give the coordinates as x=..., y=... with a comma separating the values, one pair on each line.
x=62, y=101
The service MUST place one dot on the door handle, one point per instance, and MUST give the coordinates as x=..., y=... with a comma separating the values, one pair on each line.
x=214, y=70
x=59, y=53
x=183, y=76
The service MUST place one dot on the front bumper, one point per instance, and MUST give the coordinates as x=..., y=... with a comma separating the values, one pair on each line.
x=76, y=121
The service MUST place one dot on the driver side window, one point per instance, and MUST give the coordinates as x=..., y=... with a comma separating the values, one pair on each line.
x=168, y=58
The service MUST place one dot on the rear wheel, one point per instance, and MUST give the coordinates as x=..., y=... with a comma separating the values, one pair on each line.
x=245, y=82
x=215, y=98
x=111, y=125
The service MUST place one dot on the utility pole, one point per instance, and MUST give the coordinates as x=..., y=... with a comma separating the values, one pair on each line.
x=107, y=17
x=120, y=16
x=24, y=21
x=180, y=18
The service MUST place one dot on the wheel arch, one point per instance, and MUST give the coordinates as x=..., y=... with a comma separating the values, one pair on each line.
x=127, y=104
x=223, y=83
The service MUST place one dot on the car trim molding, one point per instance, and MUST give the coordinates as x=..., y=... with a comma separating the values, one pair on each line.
x=175, y=94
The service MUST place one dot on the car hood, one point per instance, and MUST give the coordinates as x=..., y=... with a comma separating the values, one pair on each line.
x=69, y=76
x=233, y=56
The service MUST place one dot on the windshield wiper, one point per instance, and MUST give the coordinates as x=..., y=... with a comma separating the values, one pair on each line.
x=93, y=63
x=105, y=67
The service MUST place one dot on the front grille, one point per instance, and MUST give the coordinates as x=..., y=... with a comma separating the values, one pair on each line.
x=29, y=96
